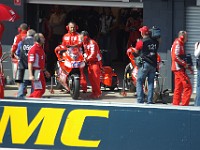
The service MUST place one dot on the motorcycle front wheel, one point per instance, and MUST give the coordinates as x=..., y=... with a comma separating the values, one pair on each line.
x=74, y=85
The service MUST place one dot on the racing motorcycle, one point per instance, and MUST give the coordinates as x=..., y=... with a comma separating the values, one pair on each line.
x=108, y=78
x=67, y=74
x=130, y=78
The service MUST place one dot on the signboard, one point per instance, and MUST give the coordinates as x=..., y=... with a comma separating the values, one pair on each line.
x=17, y=2
x=82, y=126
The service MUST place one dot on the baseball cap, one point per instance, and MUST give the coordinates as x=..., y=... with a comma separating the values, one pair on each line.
x=144, y=29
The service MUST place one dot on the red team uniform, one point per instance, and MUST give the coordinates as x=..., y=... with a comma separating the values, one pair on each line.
x=93, y=59
x=72, y=39
x=183, y=87
x=36, y=56
x=17, y=39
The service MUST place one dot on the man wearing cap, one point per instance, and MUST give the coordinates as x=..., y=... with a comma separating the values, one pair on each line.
x=146, y=48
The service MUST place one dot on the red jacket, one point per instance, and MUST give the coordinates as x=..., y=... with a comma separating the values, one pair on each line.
x=36, y=56
x=92, y=51
x=71, y=39
x=17, y=39
x=177, y=51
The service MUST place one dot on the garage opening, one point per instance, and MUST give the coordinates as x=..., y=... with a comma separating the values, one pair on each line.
x=126, y=19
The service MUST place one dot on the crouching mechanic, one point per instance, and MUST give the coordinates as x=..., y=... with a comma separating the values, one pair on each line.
x=36, y=61
x=93, y=58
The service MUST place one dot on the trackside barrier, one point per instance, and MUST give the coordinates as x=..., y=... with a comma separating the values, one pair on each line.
x=86, y=125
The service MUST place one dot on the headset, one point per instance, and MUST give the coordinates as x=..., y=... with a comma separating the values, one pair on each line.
x=76, y=26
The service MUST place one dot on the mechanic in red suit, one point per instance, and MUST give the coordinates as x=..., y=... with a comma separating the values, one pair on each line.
x=93, y=58
x=1, y=34
x=36, y=61
x=183, y=87
x=23, y=28
x=71, y=39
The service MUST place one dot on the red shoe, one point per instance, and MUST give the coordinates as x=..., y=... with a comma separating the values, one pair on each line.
x=92, y=96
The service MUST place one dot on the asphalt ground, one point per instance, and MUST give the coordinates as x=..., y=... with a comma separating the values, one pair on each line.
x=107, y=95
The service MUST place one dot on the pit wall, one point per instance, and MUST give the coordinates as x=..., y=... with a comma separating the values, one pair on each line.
x=75, y=125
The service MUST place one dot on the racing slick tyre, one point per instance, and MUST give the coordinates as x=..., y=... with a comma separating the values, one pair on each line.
x=74, y=85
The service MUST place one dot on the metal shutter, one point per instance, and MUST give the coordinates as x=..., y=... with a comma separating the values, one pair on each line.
x=193, y=30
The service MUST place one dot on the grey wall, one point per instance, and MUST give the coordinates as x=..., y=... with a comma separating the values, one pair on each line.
x=169, y=15
x=160, y=13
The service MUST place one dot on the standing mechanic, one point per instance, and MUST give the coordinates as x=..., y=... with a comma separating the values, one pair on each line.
x=22, y=30
x=70, y=40
x=36, y=61
x=93, y=58
x=183, y=87
x=147, y=50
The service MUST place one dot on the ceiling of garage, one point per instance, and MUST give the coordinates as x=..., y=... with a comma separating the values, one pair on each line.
x=102, y=3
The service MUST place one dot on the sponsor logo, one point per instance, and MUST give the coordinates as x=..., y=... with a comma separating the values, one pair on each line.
x=48, y=120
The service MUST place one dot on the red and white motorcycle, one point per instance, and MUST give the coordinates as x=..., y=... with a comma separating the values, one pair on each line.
x=130, y=78
x=67, y=75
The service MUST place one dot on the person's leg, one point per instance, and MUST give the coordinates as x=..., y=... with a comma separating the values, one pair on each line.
x=151, y=76
x=178, y=88
x=197, y=98
x=142, y=72
x=83, y=81
x=39, y=87
x=0, y=50
x=187, y=90
x=96, y=79
x=20, y=93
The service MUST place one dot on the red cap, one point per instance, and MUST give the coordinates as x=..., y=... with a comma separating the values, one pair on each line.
x=144, y=29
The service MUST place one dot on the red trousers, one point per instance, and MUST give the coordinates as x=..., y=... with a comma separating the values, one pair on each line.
x=83, y=81
x=1, y=86
x=183, y=88
x=0, y=50
x=37, y=93
x=94, y=78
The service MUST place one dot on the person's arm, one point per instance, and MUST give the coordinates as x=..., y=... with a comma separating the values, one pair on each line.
x=14, y=46
x=177, y=57
x=19, y=49
x=197, y=49
x=138, y=46
x=30, y=71
x=93, y=53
